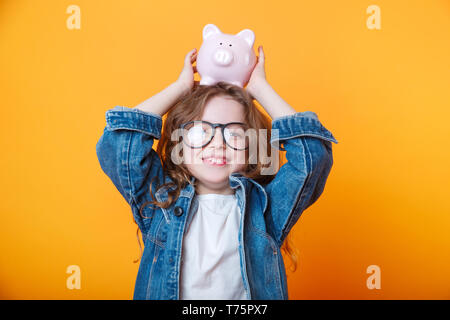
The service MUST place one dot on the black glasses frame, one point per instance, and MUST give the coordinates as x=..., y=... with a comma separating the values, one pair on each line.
x=222, y=126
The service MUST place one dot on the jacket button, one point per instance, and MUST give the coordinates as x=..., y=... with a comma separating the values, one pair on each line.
x=178, y=211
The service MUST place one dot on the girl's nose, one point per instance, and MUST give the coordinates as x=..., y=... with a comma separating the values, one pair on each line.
x=217, y=141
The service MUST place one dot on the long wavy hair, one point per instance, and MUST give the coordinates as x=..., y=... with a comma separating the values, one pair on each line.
x=190, y=107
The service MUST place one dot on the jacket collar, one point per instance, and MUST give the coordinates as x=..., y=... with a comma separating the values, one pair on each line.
x=235, y=179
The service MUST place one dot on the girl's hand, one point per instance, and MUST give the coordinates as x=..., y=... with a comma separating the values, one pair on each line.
x=186, y=78
x=258, y=76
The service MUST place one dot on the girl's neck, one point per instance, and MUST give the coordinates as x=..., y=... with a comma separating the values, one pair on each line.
x=201, y=189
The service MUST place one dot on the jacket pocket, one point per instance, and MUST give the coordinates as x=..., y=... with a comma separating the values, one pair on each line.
x=156, y=233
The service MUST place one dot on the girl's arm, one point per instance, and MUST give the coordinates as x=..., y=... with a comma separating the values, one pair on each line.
x=161, y=102
x=261, y=90
x=301, y=180
x=275, y=106
x=125, y=154
x=125, y=150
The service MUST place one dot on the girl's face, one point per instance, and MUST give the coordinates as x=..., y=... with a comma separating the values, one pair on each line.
x=213, y=176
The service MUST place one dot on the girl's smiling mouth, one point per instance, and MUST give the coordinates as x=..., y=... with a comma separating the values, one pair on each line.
x=215, y=162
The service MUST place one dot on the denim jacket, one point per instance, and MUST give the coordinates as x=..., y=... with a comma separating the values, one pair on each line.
x=269, y=211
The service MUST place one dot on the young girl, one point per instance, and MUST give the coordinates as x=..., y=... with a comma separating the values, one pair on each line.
x=214, y=222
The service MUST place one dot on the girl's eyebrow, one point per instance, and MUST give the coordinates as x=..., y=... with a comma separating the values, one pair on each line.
x=223, y=122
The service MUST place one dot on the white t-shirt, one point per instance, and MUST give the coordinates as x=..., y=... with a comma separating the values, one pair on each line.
x=210, y=266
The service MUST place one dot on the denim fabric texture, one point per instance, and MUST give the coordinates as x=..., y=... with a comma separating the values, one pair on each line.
x=269, y=211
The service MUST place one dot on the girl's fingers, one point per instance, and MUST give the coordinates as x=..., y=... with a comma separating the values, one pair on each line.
x=190, y=56
x=261, y=53
x=187, y=59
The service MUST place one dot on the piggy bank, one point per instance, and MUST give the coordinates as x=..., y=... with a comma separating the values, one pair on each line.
x=226, y=57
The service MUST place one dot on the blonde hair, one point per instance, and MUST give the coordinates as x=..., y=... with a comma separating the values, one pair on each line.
x=190, y=107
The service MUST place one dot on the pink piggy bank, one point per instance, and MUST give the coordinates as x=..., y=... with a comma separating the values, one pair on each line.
x=226, y=57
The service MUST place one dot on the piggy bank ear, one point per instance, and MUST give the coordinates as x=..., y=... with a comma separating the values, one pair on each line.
x=210, y=30
x=248, y=36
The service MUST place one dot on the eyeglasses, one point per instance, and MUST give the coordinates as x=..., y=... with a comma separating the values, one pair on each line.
x=198, y=134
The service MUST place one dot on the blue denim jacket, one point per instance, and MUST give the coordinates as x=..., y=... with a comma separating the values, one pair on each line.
x=270, y=211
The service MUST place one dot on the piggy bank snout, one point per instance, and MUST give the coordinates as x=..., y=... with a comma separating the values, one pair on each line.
x=223, y=57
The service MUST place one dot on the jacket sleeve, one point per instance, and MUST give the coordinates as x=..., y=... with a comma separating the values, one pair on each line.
x=301, y=180
x=126, y=156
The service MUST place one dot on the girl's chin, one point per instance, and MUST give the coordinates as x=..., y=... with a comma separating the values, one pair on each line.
x=214, y=175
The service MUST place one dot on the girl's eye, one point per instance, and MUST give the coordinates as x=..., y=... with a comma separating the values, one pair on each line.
x=234, y=134
x=196, y=133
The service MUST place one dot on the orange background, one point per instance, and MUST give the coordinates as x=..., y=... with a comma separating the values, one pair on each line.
x=384, y=94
